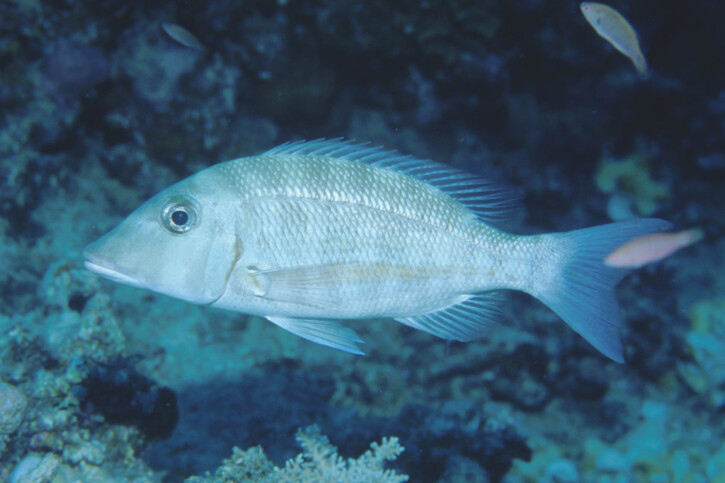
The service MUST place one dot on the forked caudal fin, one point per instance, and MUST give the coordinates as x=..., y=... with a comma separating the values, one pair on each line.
x=582, y=291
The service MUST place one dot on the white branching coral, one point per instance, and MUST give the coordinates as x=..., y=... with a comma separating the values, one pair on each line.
x=318, y=462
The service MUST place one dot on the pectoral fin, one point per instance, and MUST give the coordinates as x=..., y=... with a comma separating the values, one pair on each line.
x=325, y=332
x=311, y=286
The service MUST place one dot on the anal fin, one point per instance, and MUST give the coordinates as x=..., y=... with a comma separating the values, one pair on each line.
x=464, y=321
x=321, y=331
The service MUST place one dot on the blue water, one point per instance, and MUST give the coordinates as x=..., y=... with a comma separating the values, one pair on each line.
x=100, y=109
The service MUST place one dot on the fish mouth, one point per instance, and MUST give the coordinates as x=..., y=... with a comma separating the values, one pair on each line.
x=106, y=269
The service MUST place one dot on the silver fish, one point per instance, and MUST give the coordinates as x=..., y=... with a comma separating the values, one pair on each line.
x=616, y=30
x=182, y=36
x=309, y=233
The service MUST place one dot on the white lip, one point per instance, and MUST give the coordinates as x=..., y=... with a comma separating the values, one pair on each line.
x=104, y=269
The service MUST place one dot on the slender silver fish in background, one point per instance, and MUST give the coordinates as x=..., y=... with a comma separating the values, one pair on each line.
x=310, y=233
x=182, y=36
x=615, y=29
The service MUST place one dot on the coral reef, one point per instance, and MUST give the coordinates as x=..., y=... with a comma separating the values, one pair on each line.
x=101, y=110
x=319, y=461
x=219, y=414
x=654, y=449
x=704, y=373
x=12, y=409
x=632, y=190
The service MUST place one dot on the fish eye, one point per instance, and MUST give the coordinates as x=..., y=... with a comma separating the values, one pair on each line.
x=179, y=215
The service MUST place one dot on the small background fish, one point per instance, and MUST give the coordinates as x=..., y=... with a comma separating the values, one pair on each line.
x=613, y=27
x=651, y=248
x=182, y=36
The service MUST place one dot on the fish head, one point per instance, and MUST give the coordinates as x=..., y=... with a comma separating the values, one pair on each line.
x=180, y=243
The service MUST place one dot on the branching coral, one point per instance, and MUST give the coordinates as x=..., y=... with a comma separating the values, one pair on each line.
x=318, y=461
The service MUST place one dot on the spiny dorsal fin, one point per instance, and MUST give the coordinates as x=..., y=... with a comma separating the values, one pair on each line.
x=492, y=204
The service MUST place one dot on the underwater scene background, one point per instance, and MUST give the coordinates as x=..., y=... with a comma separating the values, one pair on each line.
x=105, y=103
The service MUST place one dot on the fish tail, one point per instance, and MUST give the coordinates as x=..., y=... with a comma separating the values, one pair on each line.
x=581, y=289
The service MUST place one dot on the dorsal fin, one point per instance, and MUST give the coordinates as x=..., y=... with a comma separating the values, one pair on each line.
x=492, y=204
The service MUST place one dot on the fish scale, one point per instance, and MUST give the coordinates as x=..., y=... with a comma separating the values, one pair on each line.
x=370, y=242
x=310, y=233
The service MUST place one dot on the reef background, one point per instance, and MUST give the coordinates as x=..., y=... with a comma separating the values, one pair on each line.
x=100, y=109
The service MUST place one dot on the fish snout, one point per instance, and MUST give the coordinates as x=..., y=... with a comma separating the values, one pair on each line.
x=105, y=267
